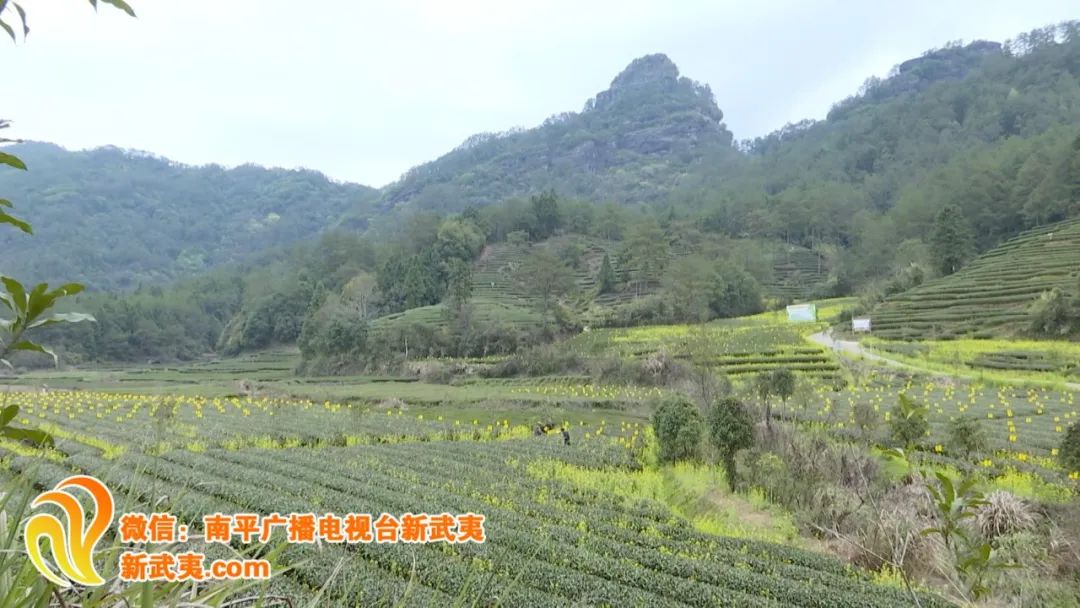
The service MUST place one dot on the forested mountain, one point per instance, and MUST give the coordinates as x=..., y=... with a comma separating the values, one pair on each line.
x=630, y=143
x=114, y=219
x=982, y=125
x=985, y=126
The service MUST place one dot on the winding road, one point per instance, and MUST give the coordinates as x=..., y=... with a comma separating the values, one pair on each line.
x=850, y=347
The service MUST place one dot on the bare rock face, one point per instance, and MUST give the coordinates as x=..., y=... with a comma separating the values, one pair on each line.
x=952, y=62
x=650, y=91
x=644, y=75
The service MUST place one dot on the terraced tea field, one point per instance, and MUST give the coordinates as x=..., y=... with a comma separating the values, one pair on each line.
x=1044, y=360
x=270, y=374
x=115, y=422
x=487, y=310
x=1023, y=426
x=737, y=347
x=990, y=296
x=549, y=542
x=798, y=273
x=498, y=298
x=213, y=378
x=494, y=275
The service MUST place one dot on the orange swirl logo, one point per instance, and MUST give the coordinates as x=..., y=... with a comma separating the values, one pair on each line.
x=73, y=545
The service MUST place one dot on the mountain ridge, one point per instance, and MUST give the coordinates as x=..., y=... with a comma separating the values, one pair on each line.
x=652, y=137
x=648, y=110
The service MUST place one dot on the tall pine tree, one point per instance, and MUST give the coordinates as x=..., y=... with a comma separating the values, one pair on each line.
x=951, y=240
x=605, y=280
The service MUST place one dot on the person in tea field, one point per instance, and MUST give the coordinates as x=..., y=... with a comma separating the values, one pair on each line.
x=565, y=436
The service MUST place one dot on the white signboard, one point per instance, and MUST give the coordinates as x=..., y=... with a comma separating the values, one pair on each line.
x=860, y=324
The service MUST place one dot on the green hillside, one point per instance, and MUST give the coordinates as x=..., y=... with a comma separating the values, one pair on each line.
x=990, y=296
x=494, y=280
x=795, y=273
x=499, y=297
x=114, y=219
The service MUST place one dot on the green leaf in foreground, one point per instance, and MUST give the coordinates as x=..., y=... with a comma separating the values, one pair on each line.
x=12, y=160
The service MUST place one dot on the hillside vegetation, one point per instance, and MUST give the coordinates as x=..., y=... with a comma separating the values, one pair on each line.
x=115, y=219
x=993, y=294
x=787, y=273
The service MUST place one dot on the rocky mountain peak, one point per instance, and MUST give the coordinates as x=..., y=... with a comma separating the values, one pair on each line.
x=653, y=81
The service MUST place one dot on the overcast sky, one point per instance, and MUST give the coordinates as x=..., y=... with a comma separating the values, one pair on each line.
x=365, y=90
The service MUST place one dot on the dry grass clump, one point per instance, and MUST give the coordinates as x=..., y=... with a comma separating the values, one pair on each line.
x=1003, y=514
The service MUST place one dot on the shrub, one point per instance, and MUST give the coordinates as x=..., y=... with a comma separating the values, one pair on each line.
x=615, y=371
x=393, y=403
x=657, y=370
x=537, y=361
x=1002, y=514
x=646, y=310
x=660, y=369
x=731, y=429
x=435, y=373
x=783, y=383
x=904, y=279
x=895, y=533
x=1069, y=452
x=387, y=348
x=965, y=436
x=571, y=254
x=832, y=507
x=1053, y=314
x=470, y=337
x=866, y=420
x=678, y=430
x=517, y=237
x=908, y=425
x=770, y=473
x=779, y=382
x=705, y=385
x=808, y=459
x=1065, y=538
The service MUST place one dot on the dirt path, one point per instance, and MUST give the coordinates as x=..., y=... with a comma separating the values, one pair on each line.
x=850, y=347
x=855, y=350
